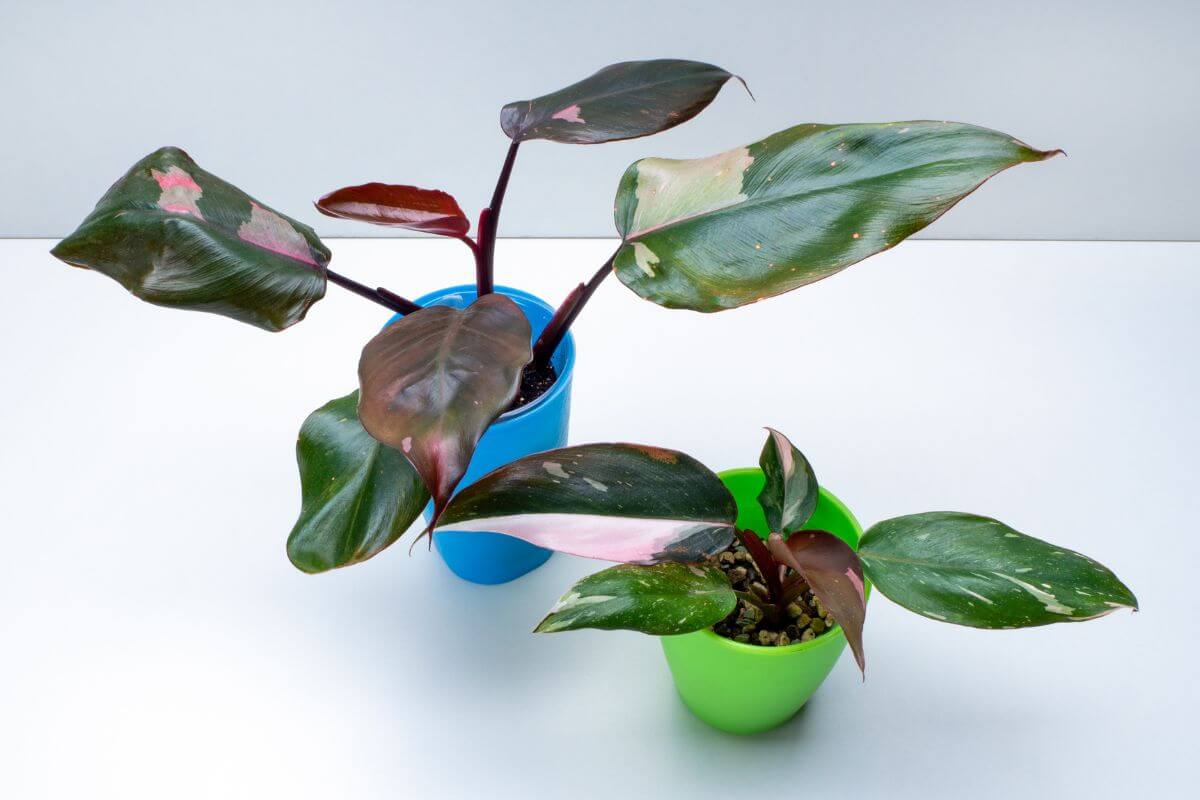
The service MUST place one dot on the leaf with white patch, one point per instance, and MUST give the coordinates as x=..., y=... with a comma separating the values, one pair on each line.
x=175, y=235
x=790, y=495
x=719, y=232
x=424, y=210
x=662, y=600
x=616, y=502
x=833, y=572
x=359, y=496
x=621, y=101
x=977, y=571
x=433, y=381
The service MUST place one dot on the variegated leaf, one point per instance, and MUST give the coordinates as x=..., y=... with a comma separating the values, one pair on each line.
x=621, y=101
x=790, y=495
x=616, y=502
x=175, y=235
x=433, y=381
x=425, y=210
x=359, y=496
x=719, y=232
x=662, y=600
x=976, y=571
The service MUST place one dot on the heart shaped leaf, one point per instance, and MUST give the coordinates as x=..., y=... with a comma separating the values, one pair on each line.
x=834, y=574
x=176, y=235
x=616, y=502
x=359, y=496
x=621, y=101
x=425, y=210
x=719, y=232
x=976, y=571
x=432, y=382
x=662, y=600
x=790, y=495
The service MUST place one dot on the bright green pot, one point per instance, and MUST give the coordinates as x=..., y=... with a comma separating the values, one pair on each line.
x=744, y=688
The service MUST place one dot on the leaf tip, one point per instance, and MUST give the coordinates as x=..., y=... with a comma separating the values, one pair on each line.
x=746, y=86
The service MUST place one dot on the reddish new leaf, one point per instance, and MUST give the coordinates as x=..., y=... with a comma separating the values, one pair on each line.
x=835, y=575
x=425, y=210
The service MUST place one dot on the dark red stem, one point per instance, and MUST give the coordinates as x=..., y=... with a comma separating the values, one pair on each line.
x=566, y=313
x=488, y=220
x=767, y=566
x=381, y=296
x=483, y=271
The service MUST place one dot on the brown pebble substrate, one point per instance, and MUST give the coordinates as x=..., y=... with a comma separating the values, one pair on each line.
x=804, y=620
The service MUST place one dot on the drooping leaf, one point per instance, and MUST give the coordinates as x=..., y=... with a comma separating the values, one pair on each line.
x=834, y=574
x=425, y=210
x=178, y=236
x=358, y=496
x=662, y=600
x=621, y=101
x=719, y=232
x=616, y=502
x=432, y=382
x=790, y=495
x=976, y=571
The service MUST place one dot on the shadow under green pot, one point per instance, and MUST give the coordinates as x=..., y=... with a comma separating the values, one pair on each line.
x=744, y=688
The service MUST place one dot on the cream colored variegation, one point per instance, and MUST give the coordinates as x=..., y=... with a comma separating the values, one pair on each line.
x=671, y=190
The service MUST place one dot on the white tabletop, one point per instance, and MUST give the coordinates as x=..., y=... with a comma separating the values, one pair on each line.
x=156, y=643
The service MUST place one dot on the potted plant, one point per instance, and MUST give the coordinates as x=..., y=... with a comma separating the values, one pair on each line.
x=470, y=377
x=756, y=579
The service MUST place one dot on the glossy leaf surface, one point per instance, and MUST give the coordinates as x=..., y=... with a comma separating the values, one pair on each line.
x=621, y=101
x=359, y=496
x=790, y=495
x=425, y=210
x=433, y=381
x=719, y=232
x=662, y=600
x=616, y=502
x=976, y=571
x=178, y=236
x=834, y=574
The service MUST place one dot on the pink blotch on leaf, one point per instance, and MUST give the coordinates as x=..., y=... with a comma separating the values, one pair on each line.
x=568, y=114
x=858, y=584
x=272, y=232
x=179, y=192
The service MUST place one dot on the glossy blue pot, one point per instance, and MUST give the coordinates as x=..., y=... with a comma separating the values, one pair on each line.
x=542, y=425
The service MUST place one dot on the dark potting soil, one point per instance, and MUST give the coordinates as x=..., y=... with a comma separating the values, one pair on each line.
x=804, y=619
x=535, y=382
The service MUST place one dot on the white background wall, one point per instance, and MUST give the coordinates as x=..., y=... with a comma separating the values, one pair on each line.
x=292, y=99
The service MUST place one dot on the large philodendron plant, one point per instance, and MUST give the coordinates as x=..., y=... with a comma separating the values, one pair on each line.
x=705, y=234
x=672, y=524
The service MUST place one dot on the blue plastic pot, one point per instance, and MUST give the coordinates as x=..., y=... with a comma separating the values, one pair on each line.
x=542, y=425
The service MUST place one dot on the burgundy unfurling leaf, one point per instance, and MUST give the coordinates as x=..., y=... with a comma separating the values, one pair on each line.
x=835, y=576
x=425, y=210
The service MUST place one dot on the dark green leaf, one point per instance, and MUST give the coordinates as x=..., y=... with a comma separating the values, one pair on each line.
x=433, y=382
x=833, y=572
x=790, y=495
x=175, y=235
x=719, y=232
x=662, y=600
x=977, y=571
x=359, y=496
x=621, y=101
x=616, y=502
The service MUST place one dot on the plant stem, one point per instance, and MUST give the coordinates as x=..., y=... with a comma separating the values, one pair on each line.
x=488, y=221
x=381, y=296
x=768, y=568
x=566, y=313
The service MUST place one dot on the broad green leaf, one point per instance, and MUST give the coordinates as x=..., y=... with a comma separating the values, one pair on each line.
x=621, y=101
x=176, y=235
x=976, y=571
x=719, y=232
x=425, y=210
x=616, y=502
x=358, y=496
x=662, y=600
x=790, y=495
x=833, y=572
x=433, y=381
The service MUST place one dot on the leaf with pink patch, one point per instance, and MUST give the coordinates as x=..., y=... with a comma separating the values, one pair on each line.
x=425, y=210
x=176, y=235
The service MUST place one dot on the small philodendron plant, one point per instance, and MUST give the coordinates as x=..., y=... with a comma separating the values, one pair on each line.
x=705, y=234
x=687, y=566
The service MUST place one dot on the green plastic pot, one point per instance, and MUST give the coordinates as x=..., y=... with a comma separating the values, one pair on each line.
x=744, y=688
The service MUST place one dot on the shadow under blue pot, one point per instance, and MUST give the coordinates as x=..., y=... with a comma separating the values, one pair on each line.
x=492, y=558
